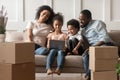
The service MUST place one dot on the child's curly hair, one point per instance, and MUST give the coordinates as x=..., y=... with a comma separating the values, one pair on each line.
x=74, y=23
x=58, y=17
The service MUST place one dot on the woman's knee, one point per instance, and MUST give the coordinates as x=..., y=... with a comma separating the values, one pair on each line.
x=60, y=52
x=41, y=51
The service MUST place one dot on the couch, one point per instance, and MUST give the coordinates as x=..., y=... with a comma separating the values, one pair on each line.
x=73, y=63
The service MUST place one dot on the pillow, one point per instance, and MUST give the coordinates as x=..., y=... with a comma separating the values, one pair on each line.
x=14, y=36
x=114, y=35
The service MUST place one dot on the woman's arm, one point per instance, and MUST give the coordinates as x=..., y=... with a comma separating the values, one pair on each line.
x=48, y=43
x=48, y=40
x=29, y=35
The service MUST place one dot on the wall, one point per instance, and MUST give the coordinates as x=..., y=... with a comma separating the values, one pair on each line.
x=22, y=11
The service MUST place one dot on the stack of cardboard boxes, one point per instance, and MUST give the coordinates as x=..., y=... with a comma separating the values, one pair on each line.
x=17, y=61
x=102, y=63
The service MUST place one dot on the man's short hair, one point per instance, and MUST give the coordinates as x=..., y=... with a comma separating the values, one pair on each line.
x=87, y=13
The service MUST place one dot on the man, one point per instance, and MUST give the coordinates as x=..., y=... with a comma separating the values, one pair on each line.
x=94, y=31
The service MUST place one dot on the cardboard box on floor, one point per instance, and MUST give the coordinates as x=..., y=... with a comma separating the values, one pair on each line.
x=102, y=65
x=104, y=75
x=103, y=52
x=22, y=71
x=102, y=58
x=12, y=52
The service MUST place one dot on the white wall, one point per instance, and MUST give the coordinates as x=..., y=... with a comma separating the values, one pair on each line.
x=22, y=11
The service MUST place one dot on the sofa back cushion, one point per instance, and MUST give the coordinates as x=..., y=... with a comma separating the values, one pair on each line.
x=14, y=36
x=115, y=36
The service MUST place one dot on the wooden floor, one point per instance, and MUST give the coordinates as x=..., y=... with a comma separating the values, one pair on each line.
x=63, y=76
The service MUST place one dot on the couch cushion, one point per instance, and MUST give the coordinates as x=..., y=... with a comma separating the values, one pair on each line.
x=40, y=60
x=70, y=61
x=114, y=35
x=73, y=61
x=14, y=36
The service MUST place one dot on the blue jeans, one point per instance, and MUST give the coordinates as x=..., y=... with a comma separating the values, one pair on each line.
x=39, y=50
x=85, y=58
x=51, y=57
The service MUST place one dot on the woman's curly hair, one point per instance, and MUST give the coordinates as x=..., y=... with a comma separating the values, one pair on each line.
x=45, y=7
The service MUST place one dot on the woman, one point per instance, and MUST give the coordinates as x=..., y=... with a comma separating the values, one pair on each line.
x=38, y=29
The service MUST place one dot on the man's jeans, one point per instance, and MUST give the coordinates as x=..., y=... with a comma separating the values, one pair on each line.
x=85, y=58
x=51, y=57
x=86, y=63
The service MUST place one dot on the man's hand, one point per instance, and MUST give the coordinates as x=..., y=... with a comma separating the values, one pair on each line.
x=87, y=50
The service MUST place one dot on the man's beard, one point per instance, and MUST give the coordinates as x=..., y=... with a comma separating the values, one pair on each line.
x=82, y=26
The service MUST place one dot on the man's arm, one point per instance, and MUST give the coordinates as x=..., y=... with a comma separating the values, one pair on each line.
x=102, y=34
x=99, y=43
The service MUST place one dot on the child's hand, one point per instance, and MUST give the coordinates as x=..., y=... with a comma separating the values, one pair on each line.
x=65, y=49
x=75, y=51
x=67, y=37
x=69, y=53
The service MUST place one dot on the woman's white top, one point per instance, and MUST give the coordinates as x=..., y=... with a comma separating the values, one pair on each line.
x=39, y=31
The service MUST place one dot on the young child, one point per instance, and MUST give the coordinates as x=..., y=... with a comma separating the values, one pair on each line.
x=56, y=35
x=74, y=42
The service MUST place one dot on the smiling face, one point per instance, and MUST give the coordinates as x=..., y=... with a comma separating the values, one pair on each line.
x=57, y=25
x=83, y=20
x=44, y=15
x=72, y=30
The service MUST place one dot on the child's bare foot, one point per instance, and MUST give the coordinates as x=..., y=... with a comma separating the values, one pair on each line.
x=49, y=71
x=58, y=71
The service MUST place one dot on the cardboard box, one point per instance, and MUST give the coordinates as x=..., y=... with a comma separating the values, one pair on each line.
x=103, y=52
x=102, y=65
x=22, y=71
x=103, y=58
x=12, y=52
x=104, y=75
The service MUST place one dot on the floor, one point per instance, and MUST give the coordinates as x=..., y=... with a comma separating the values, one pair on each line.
x=63, y=76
